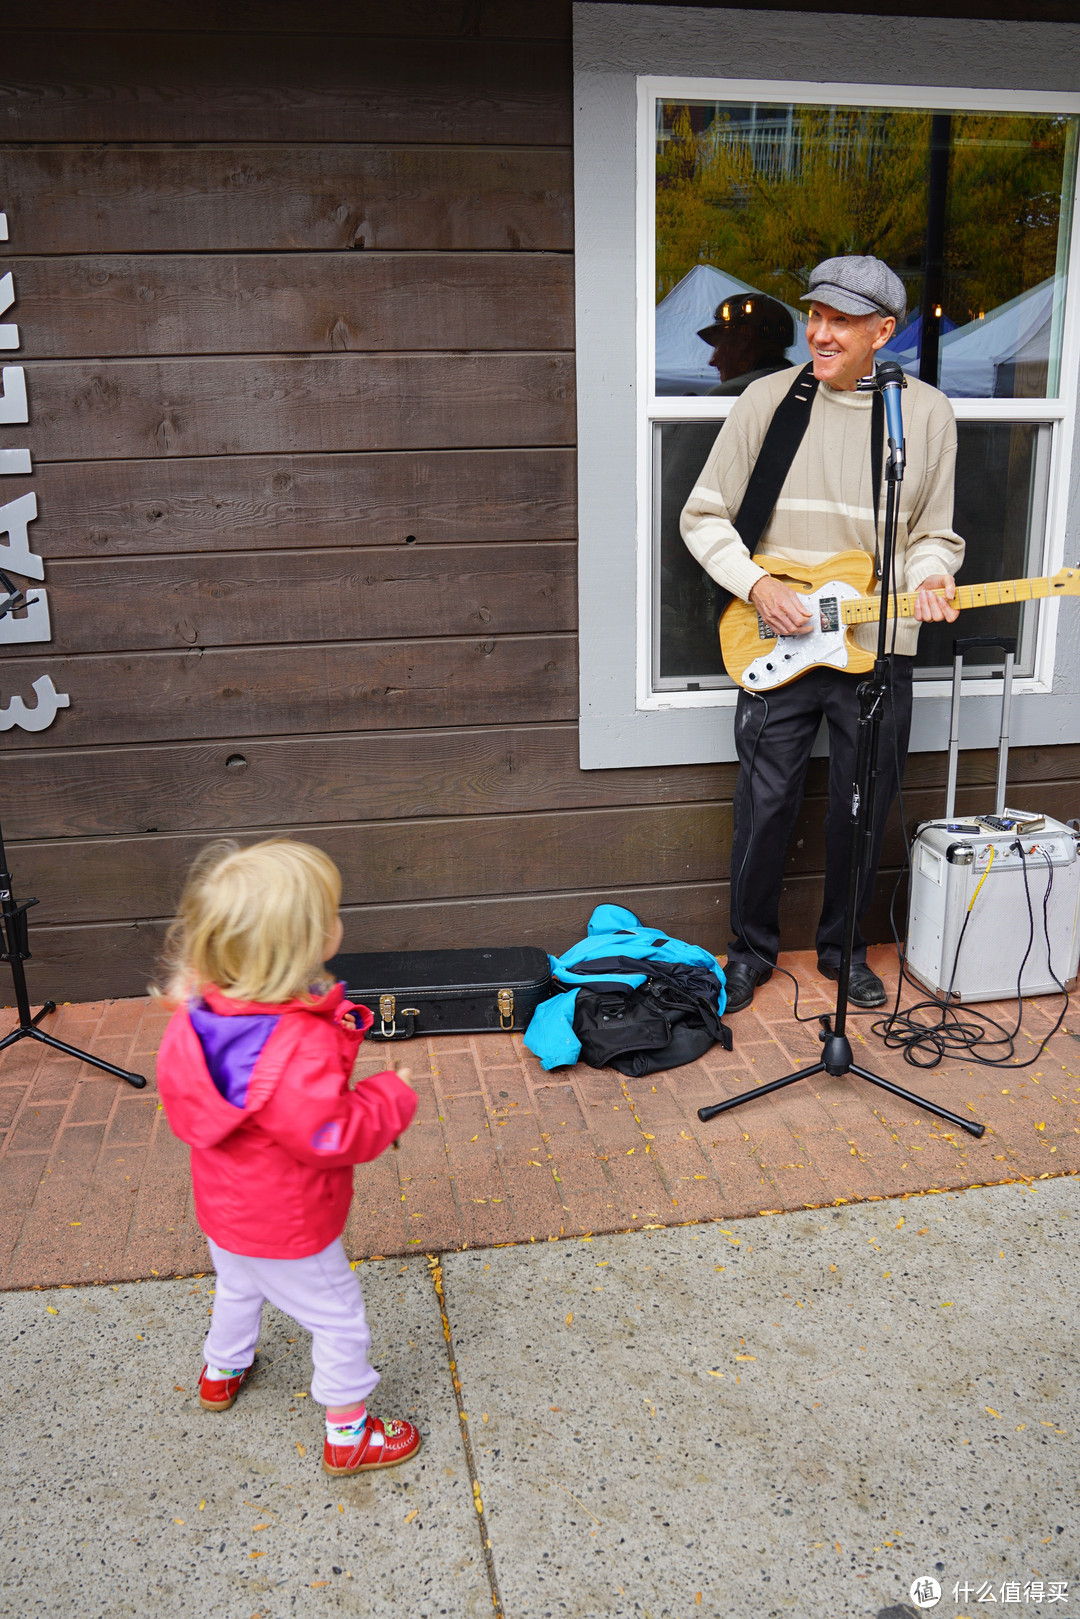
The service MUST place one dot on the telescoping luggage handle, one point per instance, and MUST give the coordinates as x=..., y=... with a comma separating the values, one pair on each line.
x=1007, y=643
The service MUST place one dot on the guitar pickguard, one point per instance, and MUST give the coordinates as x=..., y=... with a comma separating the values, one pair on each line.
x=794, y=654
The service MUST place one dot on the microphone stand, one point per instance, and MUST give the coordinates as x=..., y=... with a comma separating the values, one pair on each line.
x=15, y=942
x=837, y=1056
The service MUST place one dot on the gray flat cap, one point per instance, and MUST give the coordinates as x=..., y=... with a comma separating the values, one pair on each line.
x=857, y=285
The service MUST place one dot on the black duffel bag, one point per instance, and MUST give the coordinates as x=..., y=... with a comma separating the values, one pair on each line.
x=671, y=1019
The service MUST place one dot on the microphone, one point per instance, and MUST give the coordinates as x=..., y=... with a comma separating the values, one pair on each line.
x=889, y=378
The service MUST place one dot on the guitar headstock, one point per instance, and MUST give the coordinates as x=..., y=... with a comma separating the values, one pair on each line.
x=1066, y=582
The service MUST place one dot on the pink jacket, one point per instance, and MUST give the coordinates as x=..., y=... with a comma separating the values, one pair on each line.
x=261, y=1095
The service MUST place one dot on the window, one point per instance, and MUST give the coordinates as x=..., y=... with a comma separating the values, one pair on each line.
x=973, y=210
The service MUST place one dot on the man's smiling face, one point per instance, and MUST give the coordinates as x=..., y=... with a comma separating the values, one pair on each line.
x=843, y=346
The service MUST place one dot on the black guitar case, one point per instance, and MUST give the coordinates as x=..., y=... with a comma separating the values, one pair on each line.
x=418, y=992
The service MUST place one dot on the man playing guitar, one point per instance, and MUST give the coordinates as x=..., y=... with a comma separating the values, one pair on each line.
x=827, y=504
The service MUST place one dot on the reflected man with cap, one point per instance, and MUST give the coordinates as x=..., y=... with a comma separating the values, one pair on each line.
x=827, y=504
x=749, y=335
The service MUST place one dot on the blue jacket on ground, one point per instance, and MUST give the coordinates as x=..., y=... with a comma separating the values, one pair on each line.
x=613, y=931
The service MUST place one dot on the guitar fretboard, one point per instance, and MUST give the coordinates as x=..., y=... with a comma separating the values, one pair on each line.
x=866, y=609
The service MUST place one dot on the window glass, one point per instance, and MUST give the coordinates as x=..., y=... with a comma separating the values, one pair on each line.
x=1001, y=492
x=971, y=209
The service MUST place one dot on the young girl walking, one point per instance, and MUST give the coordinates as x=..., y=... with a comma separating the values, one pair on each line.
x=254, y=1075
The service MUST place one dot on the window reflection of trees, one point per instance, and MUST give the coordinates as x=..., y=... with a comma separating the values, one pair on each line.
x=765, y=192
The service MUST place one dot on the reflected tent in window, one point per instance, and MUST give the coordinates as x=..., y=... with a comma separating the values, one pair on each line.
x=971, y=209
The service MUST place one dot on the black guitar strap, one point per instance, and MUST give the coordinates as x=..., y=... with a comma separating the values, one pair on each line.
x=785, y=433
x=786, y=430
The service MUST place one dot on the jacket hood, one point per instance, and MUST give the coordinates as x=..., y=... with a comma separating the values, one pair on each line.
x=225, y=1057
x=225, y=1005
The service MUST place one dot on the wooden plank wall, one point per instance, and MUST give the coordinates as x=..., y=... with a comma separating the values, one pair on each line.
x=295, y=294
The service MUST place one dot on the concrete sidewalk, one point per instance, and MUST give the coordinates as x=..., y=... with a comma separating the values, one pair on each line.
x=793, y=1415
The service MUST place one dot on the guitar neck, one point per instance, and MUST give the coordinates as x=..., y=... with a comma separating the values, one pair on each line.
x=867, y=609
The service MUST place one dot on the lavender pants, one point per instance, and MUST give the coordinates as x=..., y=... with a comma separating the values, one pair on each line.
x=320, y=1292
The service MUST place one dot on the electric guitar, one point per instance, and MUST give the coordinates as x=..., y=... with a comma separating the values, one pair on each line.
x=838, y=596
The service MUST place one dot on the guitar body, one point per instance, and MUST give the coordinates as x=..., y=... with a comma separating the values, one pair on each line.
x=761, y=661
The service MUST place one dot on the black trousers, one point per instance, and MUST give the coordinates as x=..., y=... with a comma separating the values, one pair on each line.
x=773, y=739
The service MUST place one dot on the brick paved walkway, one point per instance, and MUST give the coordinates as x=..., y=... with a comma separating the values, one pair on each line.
x=94, y=1187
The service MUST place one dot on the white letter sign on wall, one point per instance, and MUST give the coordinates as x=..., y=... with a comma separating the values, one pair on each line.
x=16, y=555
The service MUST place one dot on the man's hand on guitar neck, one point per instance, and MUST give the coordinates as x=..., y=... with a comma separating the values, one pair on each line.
x=931, y=609
x=780, y=607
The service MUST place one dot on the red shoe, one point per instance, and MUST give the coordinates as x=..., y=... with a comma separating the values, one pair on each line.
x=219, y=1394
x=380, y=1445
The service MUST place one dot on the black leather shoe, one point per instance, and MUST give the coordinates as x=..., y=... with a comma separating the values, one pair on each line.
x=741, y=983
x=865, y=989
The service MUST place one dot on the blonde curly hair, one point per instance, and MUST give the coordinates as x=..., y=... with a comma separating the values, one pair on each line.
x=255, y=921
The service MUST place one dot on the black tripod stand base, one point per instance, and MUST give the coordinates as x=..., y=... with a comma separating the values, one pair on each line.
x=837, y=1062
x=30, y=1031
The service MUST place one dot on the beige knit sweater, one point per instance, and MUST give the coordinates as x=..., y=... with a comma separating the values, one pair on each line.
x=827, y=502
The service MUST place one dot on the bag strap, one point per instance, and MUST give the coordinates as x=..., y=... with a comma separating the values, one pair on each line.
x=782, y=440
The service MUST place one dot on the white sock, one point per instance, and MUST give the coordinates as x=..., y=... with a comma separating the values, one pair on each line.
x=222, y=1374
x=345, y=1433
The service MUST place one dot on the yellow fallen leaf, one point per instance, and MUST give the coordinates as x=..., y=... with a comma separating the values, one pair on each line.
x=899, y=1222
x=259, y=1526
x=315, y=1584
x=947, y=1304
x=300, y=1394
x=570, y=1319
x=301, y=1450
x=647, y=1136
x=179, y=1388
x=991, y=1412
x=256, y=1554
x=74, y=1222
x=1020, y=1426
x=51, y=1311
x=631, y=1152
x=839, y=1547
x=697, y=1598
x=714, y=1374
x=746, y=1357
x=180, y=1521
x=409, y=1516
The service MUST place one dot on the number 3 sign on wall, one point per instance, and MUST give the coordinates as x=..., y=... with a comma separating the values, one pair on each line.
x=15, y=553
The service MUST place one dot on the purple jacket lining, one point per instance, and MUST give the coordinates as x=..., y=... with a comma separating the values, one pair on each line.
x=232, y=1046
